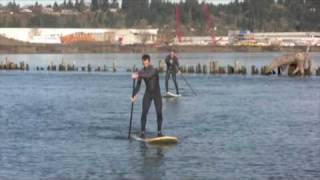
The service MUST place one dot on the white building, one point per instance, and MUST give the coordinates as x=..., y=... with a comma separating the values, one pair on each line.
x=279, y=38
x=201, y=40
x=72, y=35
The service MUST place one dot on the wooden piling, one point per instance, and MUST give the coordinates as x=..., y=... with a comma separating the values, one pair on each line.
x=114, y=67
x=222, y=70
x=191, y=69
x=243, y=70
x=68, y=67
x=254, y=70
x=198, y=68
x=211, y=67
x=279, y=71
x=12, y=66
x=318, y=71
x=162, y=66
x=237, y=67
x=204, y=69
x=214, y=67
x=21, y=66
x=182, y=68
x=230, y=70
x=61, y=67
x=264, y=70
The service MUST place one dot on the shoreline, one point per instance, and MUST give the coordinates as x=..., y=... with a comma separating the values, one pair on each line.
x=93, y=48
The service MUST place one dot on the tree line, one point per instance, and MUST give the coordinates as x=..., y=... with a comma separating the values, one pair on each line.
x=253, y=15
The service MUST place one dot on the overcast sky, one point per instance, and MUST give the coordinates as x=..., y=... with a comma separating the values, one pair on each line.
x=28, y=2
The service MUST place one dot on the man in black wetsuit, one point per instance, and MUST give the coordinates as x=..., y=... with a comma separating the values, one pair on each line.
x=172, y=69
x=150, y=76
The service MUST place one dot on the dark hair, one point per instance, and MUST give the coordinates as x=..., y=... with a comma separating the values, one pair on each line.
x=146, y=57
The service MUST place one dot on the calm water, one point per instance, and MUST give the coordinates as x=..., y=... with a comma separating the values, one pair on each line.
x=74, y=126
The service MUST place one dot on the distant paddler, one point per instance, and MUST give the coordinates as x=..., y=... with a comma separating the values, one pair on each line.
x=172, y=63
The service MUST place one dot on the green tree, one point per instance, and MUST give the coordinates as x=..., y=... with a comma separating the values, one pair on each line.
x=94, y=5
x=70, y=4
x=56, y=6
x=114, y=4
x=82, y=6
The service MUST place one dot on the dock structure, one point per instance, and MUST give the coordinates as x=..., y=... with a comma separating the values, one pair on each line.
x=213, y=67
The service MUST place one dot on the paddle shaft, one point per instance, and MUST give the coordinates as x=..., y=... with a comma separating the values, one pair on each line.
x=130, y=124
x=188, y=84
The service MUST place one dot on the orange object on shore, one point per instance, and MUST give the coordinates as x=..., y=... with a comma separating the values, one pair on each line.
x=77, y=37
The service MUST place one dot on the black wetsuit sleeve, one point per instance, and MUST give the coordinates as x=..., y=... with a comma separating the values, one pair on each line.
x=137, y=87
x=168, y=61
x=177, y=64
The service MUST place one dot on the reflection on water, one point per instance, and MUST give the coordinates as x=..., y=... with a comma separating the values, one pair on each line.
x=152, y=162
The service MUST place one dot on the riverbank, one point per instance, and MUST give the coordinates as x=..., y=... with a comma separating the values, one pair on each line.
x=26, y=48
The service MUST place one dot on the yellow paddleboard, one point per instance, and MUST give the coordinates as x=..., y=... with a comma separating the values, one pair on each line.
x=164, y=140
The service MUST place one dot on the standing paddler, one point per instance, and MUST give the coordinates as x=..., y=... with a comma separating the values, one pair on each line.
x=150, y=76
x=172, y=63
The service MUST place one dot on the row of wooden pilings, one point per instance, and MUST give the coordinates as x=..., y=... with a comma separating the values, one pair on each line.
x=212, y=67
x=10, y=66
x=73, y=68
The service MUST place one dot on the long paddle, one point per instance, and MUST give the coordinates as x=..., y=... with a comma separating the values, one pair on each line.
x=130, y=124
x=188, y=84
x=185, y=80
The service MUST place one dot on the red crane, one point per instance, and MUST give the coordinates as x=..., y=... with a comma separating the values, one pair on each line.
x=209, y=23
x=178, y=23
